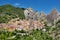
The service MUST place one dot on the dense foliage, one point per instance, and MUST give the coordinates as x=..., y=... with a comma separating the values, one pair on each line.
x=8, y=12
x=34, y=35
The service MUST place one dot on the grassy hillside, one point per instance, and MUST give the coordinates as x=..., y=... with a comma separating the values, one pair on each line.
x=7, y=12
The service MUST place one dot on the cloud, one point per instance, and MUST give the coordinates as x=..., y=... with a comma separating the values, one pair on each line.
x=17, y=4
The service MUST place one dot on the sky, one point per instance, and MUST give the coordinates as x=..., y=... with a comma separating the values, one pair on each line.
x=40, y=5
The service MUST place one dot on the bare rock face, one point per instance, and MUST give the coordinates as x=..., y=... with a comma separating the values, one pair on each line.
x=29, y=13
x=42, y=15
x=34, y=15
x=52, y=16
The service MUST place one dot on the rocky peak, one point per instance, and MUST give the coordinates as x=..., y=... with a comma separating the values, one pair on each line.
x=42, y=14
x=54, y=11
x=53, y=15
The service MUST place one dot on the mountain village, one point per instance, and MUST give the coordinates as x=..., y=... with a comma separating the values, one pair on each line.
x=33, y=20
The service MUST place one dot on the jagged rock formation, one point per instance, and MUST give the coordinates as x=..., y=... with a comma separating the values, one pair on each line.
x=52, y=16
x=30, y=14
x=34, y=15
x=42, y=16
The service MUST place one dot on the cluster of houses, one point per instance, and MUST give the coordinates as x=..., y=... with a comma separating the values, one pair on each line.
x=26, y=25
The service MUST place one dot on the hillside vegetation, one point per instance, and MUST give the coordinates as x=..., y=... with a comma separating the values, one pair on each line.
x=8, y=12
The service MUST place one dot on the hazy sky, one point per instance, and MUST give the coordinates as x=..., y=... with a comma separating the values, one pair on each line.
x=39, y=5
